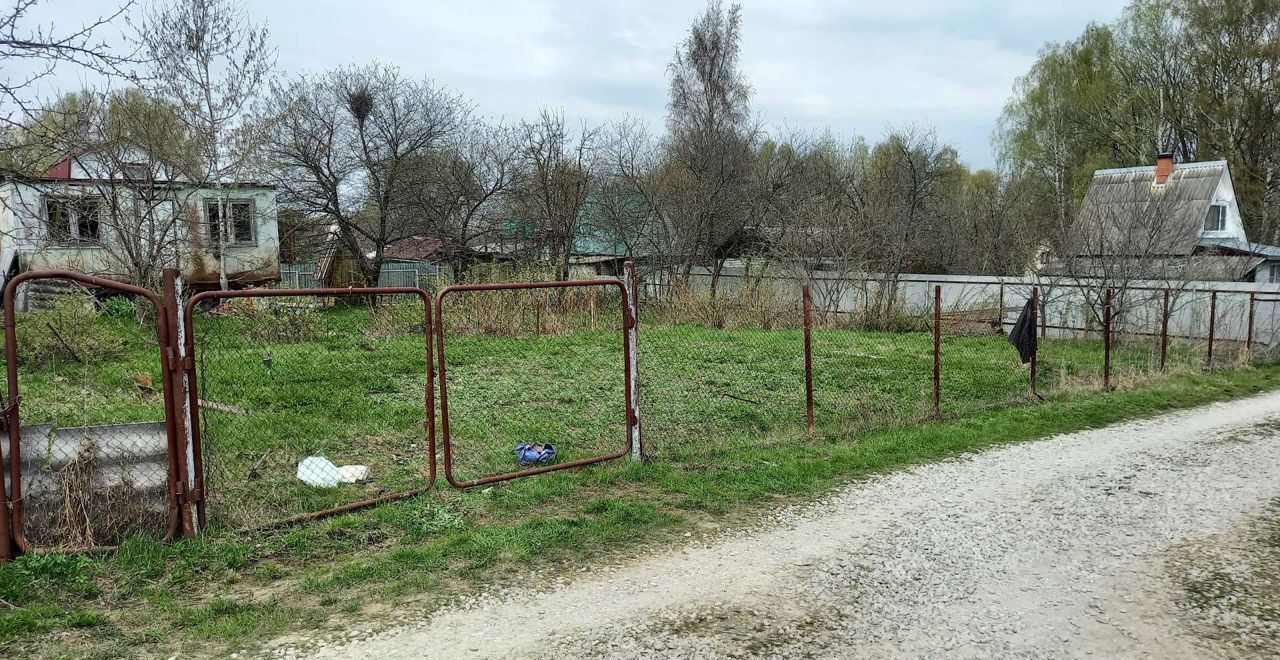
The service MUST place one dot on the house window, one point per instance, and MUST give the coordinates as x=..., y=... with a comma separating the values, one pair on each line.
x=1216, y=220
x=1273, y=274
x=240, y=228
x=73, y=221
x=136, y=171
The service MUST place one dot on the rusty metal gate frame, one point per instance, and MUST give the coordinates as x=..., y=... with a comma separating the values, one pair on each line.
x=628, y=322
x=176, y=460
x=193, y=396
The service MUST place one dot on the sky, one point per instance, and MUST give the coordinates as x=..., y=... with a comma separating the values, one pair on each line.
x=858, y=67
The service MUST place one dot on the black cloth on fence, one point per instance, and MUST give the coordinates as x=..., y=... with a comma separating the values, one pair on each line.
x=1023, y=335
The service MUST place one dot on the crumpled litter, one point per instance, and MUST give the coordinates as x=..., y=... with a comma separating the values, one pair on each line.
x=530, y=454
x=320, y=472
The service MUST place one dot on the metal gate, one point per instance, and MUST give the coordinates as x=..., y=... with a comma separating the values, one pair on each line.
x=273, y=413
x=78, y=482
x=627, y=416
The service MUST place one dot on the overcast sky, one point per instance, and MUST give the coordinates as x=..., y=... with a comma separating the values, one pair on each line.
x=858, y=66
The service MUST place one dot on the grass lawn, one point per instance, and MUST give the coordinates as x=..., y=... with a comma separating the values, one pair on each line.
x=723, y=412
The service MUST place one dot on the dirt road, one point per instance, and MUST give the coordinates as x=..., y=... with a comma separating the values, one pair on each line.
x=1065, y=547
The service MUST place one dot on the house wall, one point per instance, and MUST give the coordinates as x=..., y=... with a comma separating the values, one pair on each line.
x=1226, y=194
x=24, y=229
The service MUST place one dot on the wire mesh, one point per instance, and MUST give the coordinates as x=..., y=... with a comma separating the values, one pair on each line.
x=523, y=369
x=311, y=402
x=92, y=466
x=719, y=363
x=872, y=353
x=978, y=366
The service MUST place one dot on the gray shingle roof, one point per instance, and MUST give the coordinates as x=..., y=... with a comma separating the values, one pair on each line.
x=1125, y=213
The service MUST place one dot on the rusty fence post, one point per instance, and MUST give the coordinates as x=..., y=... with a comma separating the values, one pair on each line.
x=176, y=405
x=1035, y=352
x=1164, y=331
x=808, y=357
x=1106, y=341
x=631, y=292
x=937, y=350
x=1213, y=324
x=8, y=547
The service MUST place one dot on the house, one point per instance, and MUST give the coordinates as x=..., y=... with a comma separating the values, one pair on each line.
x=1165, y=221
x=114, y=217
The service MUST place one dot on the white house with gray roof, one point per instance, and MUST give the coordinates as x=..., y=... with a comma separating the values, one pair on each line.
x=1164, y=221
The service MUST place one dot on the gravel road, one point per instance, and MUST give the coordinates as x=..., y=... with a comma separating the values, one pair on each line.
x=1055, y=548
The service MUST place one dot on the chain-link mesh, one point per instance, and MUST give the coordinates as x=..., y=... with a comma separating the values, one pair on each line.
x=715, y=362
x=525, y=369
x=872, y=353
x=310, y=402
x=978, y=367
x=94, y=453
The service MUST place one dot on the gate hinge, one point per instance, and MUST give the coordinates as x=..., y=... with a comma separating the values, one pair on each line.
x=188, y=363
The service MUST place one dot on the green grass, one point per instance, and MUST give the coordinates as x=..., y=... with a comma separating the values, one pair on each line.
x=722, y=409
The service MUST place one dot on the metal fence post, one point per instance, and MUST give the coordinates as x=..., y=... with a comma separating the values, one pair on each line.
x=808, y=357
x=1164, y=331
x=176, y=406
x=1213, y=322
x=1035, y=354
x=631, y=293
x=1106, y=341
x=937, y=350
x=8, y=549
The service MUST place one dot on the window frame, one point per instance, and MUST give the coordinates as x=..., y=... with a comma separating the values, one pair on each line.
x=1273, y=273
x=228, y=229
x=72, y=236
x=1221, y=221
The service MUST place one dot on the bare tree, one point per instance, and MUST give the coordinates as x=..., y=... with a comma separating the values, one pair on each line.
x=457, y=191
x=30, y=54
x=209, y=59
x=344, y=145
x=711, y=140
x=554, y=183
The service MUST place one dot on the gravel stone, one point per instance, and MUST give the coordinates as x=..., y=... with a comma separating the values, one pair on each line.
x=1053, y=548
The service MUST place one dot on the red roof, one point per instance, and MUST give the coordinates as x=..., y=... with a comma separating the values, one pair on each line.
x=413, y=248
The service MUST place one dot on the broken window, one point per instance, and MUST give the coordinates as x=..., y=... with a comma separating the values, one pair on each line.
x=240, y=228
x=73, y=221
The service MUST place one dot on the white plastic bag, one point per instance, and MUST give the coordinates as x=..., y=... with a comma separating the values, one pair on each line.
x=318, y=471
x=349, y=474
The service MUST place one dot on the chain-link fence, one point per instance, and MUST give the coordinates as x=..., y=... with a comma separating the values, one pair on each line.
x=533, y=378
x=307, y=402
x=728, y=358
x=310, y=401
x=89, y=461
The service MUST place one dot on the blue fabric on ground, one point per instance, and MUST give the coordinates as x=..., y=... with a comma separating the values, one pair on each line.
x=529, y=454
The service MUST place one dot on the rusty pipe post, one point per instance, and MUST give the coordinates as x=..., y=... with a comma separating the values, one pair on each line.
x=1164, y=331
x=937, y=350
x=1035, y=353
x=1213, y=324
x=1106, y=341
x=175, y=403
x=631, y=301
x=808, y=357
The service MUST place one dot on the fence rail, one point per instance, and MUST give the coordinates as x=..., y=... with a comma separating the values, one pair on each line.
x=130, y=413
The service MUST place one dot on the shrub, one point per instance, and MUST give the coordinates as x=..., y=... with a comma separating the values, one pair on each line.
x=400, y=317
x=72, y=329
x=274, y=320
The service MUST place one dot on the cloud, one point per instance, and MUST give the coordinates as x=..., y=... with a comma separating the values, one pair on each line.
x=856, y=66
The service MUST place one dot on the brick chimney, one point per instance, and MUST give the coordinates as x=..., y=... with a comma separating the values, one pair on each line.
x=1164, y=167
